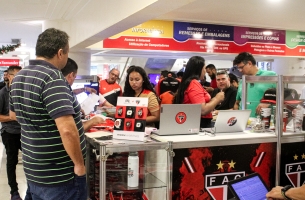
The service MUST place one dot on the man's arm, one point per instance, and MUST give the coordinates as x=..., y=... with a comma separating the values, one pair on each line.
x=209, y=89
x=260, y=106
x=70, y=139
x=297, y=193
x=5, y=118
x=92, y=122
x=236, y=105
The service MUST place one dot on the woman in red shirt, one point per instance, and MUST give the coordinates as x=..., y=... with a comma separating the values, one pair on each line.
x=191, y=92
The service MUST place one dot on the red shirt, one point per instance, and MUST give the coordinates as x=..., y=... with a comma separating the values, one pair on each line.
x=196, y=94
x=213, y=83
x=111, y=92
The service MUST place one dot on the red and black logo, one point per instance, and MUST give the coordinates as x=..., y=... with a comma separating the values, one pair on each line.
x=295, y=173
x=232, y=121
x=180, y=117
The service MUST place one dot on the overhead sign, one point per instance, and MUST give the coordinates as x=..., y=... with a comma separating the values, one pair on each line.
x=9, y=62
x=208, y=38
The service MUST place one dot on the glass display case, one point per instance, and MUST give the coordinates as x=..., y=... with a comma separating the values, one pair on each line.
x=107, y=169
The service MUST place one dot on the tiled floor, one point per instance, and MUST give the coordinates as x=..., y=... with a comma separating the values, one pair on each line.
x=4, y=187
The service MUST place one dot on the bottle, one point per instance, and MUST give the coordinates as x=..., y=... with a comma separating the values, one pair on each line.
x=133, y=170
x=297, y=115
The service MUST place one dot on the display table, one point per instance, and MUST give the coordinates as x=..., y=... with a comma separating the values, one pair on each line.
x=200, y=166
x=204, y=163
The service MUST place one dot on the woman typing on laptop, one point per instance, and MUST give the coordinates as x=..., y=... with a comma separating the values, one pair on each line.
x=191, y=92
x=138, y=85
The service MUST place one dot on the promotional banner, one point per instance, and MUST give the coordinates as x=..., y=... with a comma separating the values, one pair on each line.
x=293, y=164
x=203, y=173
x=208, y=38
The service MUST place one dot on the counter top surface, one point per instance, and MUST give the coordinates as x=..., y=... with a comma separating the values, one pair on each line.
x=209, y=136
x=208, y=139
x=99, y=138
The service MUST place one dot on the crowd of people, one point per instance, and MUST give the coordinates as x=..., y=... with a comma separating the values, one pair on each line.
x=41, y=116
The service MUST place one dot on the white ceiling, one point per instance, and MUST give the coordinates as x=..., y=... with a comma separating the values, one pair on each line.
x=276, y=14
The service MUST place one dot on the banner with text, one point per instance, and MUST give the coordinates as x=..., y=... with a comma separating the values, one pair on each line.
x=9, y=62
x=208, y=38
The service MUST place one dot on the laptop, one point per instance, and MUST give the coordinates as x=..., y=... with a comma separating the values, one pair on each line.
x=177, y=119
x=230, y=121
x=248, y=187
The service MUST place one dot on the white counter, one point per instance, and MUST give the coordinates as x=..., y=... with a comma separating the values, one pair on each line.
x=220, y=139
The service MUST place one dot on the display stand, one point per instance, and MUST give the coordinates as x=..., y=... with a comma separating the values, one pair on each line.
x=112, y=175
x=293, y=144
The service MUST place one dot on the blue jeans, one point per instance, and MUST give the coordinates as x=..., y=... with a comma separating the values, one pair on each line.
x=74, y=190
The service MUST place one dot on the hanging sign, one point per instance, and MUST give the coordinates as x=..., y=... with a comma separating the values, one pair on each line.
x=9, y=62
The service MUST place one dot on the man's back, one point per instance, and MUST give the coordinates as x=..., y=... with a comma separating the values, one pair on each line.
x=169, y=84
x=39, y=94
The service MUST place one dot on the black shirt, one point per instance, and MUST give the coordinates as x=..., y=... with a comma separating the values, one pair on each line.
x=169, y=84
x=10, y=126
x=2, y=85
x=230, y=98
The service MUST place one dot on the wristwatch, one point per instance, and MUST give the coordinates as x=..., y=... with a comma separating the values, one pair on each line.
x=284, y=190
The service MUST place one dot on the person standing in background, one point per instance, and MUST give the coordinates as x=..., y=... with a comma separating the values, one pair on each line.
x=204, y=82
x=11, y=134
x=5, y=79
x=233, y=80
x=223, y=84
x=52, y=133
x=109, y=87
x=179, y=76
x=211, y=71
x=70, y=72
x=246, y=64
x=190, y=90
x=163, y=75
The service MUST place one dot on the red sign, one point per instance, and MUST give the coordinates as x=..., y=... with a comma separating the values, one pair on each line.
x=9, y=62
x=169, y=44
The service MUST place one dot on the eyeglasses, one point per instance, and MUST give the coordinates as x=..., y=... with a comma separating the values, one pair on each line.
x=241, y=67
x=112, y=74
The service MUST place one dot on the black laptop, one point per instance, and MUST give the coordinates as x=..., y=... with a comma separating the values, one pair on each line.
x=249, y=187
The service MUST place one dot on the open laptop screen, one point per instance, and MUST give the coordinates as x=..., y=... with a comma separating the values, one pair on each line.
x=249, y=187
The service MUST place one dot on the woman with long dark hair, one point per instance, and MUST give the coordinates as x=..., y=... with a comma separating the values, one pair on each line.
x=190, y=90
x=137, y=85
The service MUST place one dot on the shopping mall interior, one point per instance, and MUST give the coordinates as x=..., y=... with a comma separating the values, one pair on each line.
x=90, y=22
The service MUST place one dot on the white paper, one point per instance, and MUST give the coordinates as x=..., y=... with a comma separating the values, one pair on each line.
x=89, y=103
